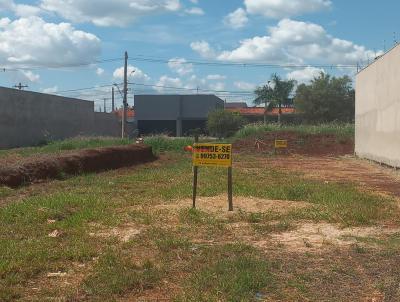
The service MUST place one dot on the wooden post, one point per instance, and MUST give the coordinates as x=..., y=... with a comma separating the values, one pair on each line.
x=230, y=190
x=195, y=174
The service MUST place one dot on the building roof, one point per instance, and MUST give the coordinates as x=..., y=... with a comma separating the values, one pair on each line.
x=259, y=111
x=130, y=114
x=236, y=105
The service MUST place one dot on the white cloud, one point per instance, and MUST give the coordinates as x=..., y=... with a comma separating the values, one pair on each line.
x=180, y=66
x=32, y=41
x=164, y=82
x=194, y=11
x=99, y=71
x=245, y=86
x=24, y=10
x=236, y=19
x=203, y=48
x=109, y=13
x=135, y=74
x=20, y=10
x=291, y=42
x=218, y=86
x=215, y=77
x=278, y=9
x=50, y=90
x=194, y=1
x=30, y=76
x=305, y=75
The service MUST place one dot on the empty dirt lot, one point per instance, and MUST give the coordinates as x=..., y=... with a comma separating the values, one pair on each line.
x=306, y=227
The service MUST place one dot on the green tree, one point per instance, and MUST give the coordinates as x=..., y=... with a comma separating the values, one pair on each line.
x=326, y=99
x=223, y=123
x=274, y=94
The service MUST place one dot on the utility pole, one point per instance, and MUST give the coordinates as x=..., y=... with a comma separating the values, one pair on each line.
x=125, y=95
x=112, y=100
x=20, y=86
x=105, y=110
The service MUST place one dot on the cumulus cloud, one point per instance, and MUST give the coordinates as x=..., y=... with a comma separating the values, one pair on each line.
x=237, y=19
x=203, y=48
x=194, y=11
x=32, y=41
x=191, y=85
x=21, y=10
x=305, y=75
x=134, y=73
x=30, y=76
x=109, y=13
x=278, y=9
x=99, y=71
x=164, y=82
x=290, y=41
x=180, y=66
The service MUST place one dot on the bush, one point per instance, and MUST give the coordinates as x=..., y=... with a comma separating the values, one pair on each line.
x=223, y=123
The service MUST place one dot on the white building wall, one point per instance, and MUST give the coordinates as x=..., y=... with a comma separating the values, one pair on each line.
x=378, y=110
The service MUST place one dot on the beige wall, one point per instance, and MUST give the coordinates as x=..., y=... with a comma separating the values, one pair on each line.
x=378, y=110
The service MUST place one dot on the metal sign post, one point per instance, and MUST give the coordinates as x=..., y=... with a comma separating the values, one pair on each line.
x=195, y=174
x=213, y=155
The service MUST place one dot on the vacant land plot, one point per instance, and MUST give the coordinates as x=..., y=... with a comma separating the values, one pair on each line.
x=301, y=231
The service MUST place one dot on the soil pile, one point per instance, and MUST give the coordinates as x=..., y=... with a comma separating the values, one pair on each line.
x=74, y=163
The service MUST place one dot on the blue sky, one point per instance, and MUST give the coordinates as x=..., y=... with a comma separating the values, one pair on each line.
x=166, y=39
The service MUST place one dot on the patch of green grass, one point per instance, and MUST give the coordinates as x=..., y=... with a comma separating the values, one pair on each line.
x=115, y=275
x=26, y=249
x=167, y=241
x=76, y=143
x=342, y=131
x=277, y=227
x=339, y=203
x=162, y=143
x=227, y=273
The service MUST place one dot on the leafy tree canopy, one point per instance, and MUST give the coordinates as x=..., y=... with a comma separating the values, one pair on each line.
x=326, y=99
x=276, y=93
x=223, y=123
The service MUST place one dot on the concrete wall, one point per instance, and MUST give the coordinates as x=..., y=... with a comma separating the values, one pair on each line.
x=28, y=118
x=378, y=110
x=106, y=124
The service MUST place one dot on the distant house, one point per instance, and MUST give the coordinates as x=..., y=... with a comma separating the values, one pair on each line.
x=175, y=115
x=130, y=114
x=256, y=114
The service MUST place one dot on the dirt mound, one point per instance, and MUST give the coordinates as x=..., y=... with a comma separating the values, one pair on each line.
x=90, y=160
x=298, y=143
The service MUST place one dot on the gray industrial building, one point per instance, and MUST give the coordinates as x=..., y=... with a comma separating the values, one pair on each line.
x=175, y=115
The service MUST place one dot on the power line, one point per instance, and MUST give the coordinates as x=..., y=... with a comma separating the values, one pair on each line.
x=57, y=66
x=237, y=64
x=87, y=88
x=193, y=89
